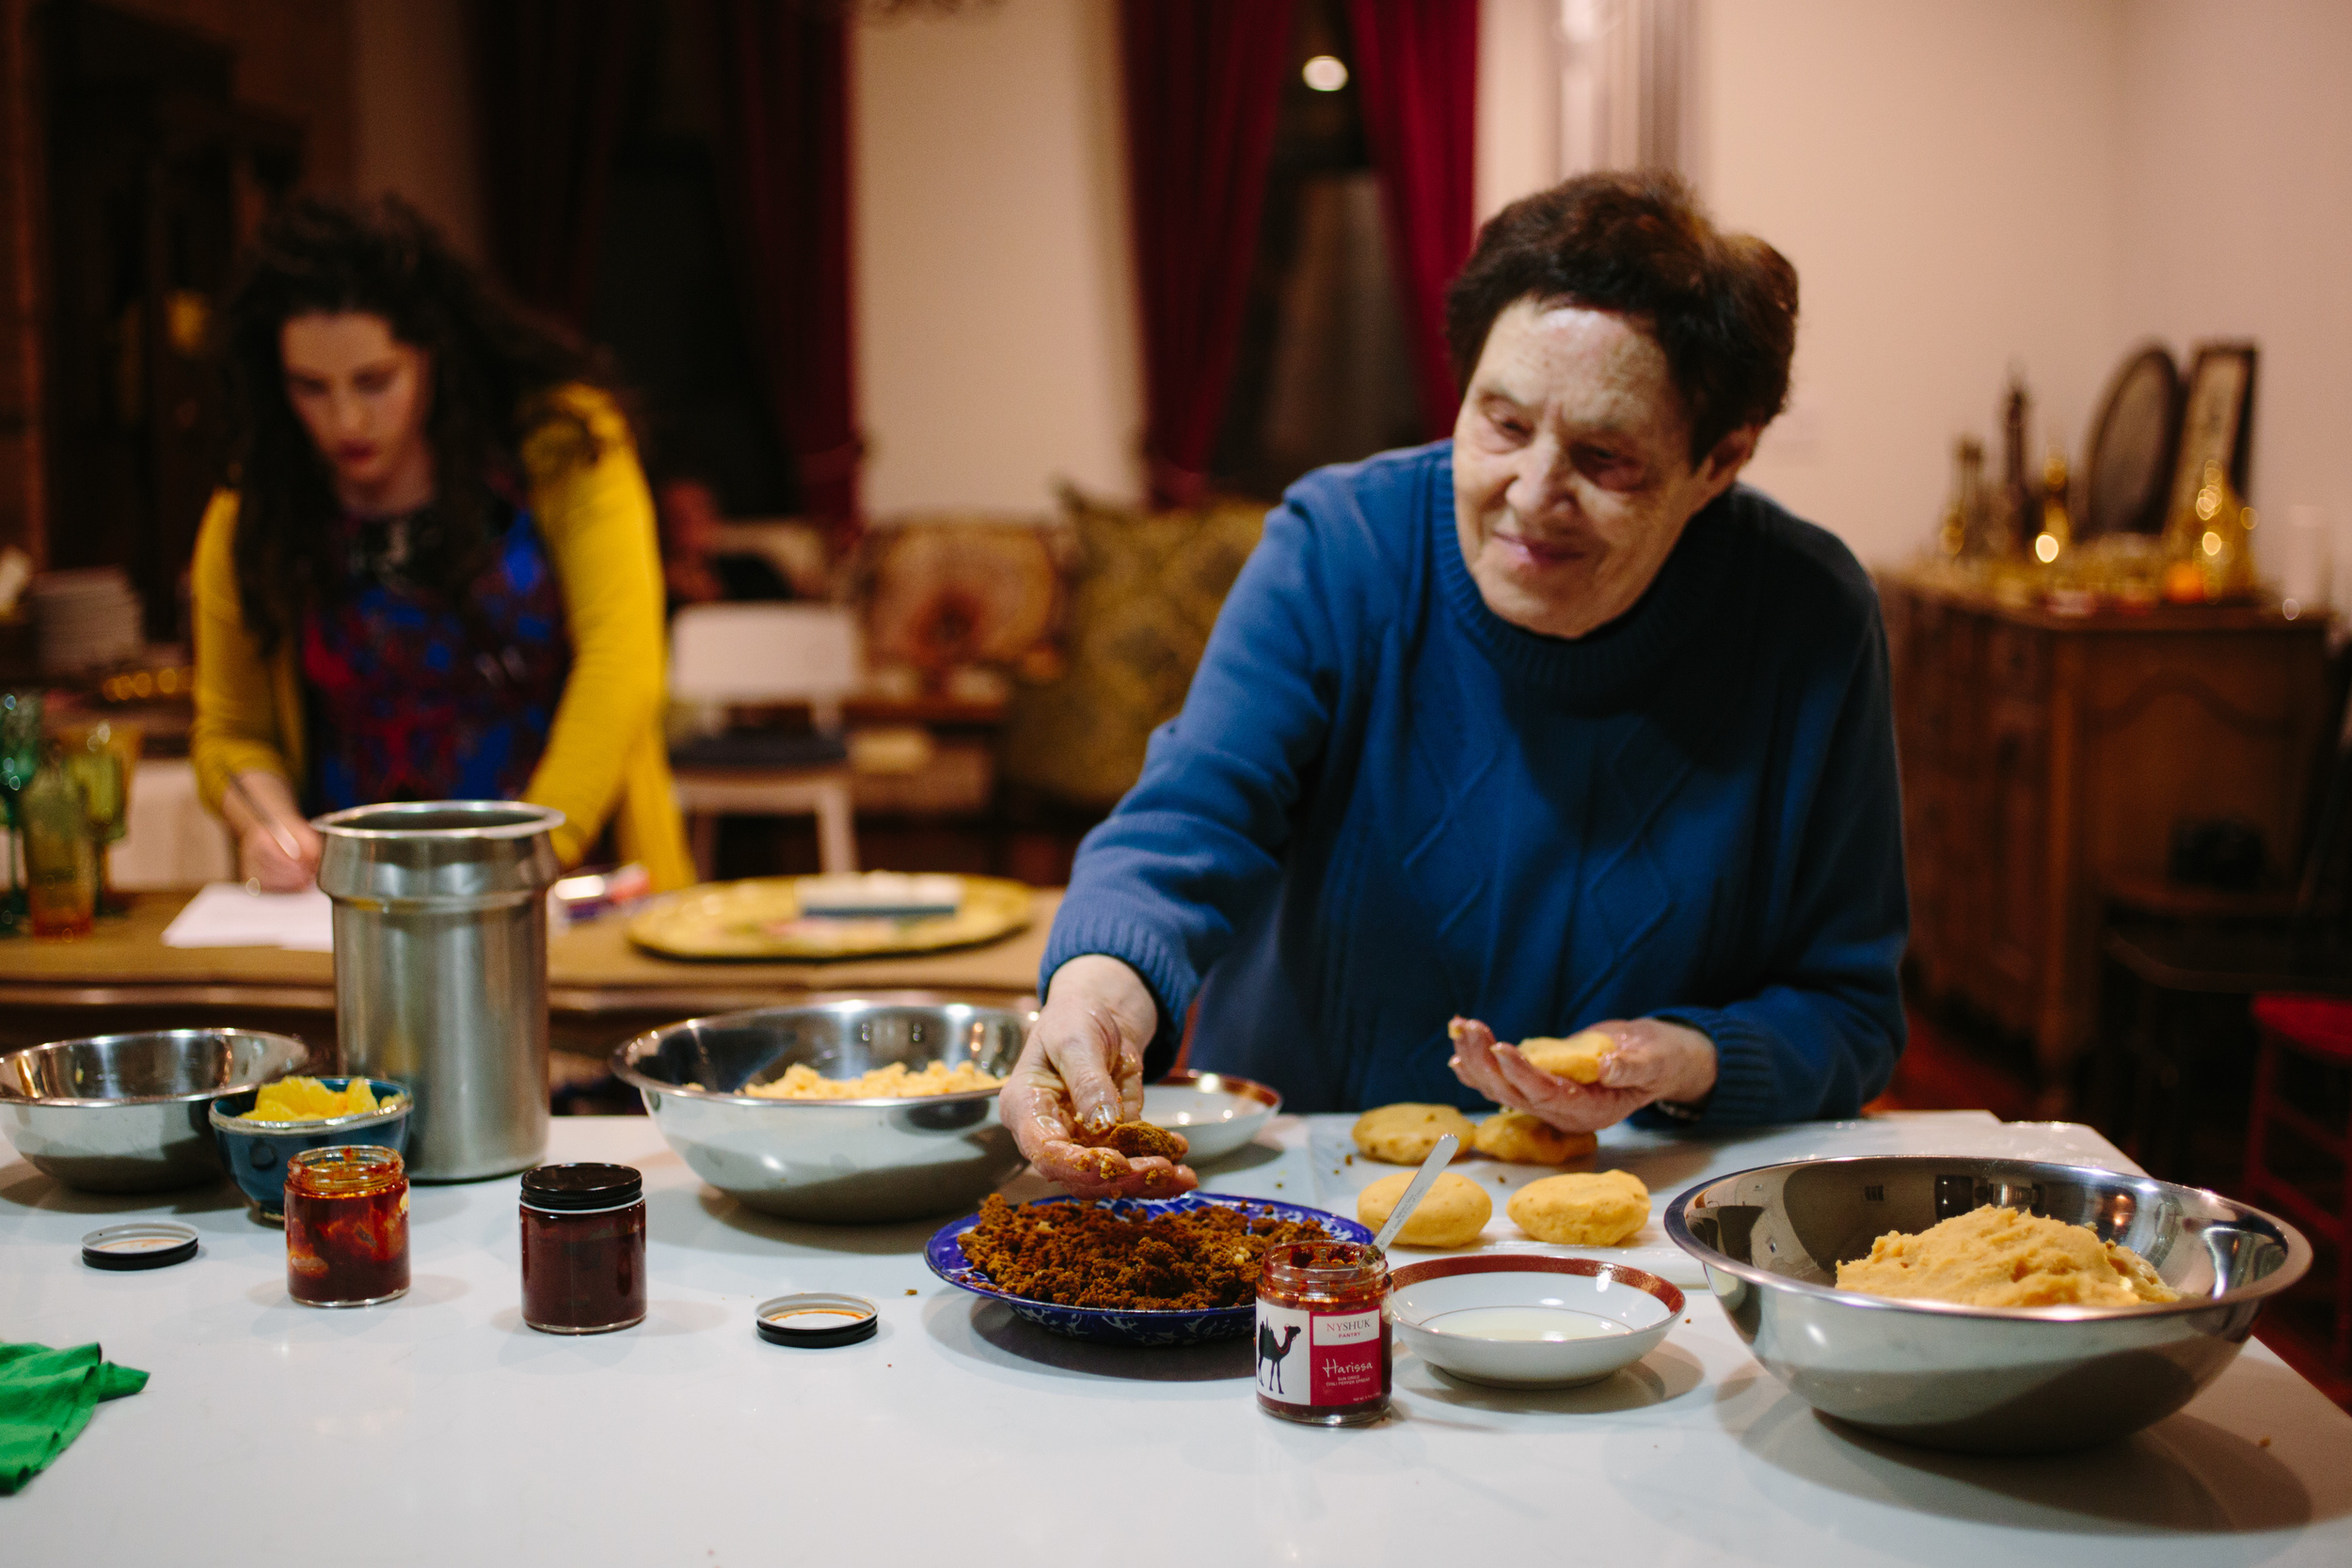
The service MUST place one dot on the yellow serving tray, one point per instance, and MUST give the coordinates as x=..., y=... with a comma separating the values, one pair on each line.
x=755, y=920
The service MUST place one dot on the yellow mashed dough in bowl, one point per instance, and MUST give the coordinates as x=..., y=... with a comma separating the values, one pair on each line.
x=894, y=1082
x=1994, y=1256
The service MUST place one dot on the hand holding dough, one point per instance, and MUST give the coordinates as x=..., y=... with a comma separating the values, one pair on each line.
x=1653, y=1059
x=1579, y=1058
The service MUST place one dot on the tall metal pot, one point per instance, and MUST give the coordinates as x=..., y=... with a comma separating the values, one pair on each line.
x=441, y=971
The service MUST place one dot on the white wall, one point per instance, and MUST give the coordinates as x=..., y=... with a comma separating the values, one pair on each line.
x=2236, y=222
x=1966, y=183
x=996, y=338
x=413, y=112
x=1517, y=130
x=1944, y=175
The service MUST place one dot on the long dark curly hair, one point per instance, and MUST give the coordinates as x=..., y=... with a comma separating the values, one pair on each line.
x=493, y=366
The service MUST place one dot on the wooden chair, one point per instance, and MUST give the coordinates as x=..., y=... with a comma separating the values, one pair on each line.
x=722, y=654
x=2182, y=961
x=2319, y=1030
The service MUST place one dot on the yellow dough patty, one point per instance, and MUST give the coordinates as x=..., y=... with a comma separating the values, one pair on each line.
x=1994, y=1256
x=1578, y=1057
x=1583, y=1207
x=1454, y=1212
x=1530, y=1140
x=1405, y=1134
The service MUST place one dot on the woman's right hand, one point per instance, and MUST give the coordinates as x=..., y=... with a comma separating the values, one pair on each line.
x=265, y=863
x=263, y=841
x=1080, y=1071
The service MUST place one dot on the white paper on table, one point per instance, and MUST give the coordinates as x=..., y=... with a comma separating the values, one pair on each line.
x=224, y=915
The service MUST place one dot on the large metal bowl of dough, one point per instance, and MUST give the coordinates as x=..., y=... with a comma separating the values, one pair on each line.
x=835, y=1159
x=1981, y=1378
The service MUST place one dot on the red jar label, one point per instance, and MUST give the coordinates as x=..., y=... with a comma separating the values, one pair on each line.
x=1321, y=1358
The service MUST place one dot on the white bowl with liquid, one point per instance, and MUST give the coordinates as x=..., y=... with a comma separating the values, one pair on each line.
x=1529, y=1320
x=1216, y=1112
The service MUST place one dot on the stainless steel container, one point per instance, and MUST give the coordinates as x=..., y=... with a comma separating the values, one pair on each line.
x=1981, y=1378
x=843, y=1161
x=127, y=1112
x=441, y=971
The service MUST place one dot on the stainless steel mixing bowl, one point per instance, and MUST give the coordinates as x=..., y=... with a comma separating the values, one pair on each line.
x=1975, y=1379
x=128, y=1113
x=839, y=1160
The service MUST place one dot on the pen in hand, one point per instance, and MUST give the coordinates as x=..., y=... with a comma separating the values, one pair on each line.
x=269, y=820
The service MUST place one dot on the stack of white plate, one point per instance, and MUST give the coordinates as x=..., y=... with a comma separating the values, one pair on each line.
x=85, y=619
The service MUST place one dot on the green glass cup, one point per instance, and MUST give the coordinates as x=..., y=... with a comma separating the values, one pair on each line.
x=19, y=759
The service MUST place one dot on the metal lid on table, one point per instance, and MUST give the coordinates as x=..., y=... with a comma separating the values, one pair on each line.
x=144, y=1244
x=814, y=1320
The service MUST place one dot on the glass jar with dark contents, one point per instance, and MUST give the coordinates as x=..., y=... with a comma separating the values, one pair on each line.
x=1323, y=1333
x=346, y=1226
x=583, y=1248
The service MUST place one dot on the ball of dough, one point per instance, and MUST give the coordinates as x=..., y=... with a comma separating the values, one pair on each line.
x=1452, y=1213
x=1530, y=1140
x=1583, y=1207
x=1578, y=1057
x=1405, y=1134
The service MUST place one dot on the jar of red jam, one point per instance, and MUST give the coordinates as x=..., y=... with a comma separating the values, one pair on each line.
x=583, y=1248
x=346, y=1226
x=1323, y=1333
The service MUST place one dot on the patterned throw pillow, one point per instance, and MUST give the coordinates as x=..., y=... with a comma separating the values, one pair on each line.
x=951, y=597
x=1147, y=588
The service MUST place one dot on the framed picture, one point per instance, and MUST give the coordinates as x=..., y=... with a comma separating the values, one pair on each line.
x=2129, y=469
x=2216, y=418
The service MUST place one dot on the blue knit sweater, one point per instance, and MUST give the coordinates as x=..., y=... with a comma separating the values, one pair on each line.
x=1383, y=806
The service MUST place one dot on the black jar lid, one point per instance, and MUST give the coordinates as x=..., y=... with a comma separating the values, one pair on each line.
x=153, y=1244
x=816, y=1320
x=585, y=1185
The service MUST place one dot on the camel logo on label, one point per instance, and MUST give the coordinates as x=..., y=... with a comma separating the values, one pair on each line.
x=1279, y=1376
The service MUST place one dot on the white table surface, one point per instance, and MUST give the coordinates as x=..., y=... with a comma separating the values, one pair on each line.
x=440, y=1429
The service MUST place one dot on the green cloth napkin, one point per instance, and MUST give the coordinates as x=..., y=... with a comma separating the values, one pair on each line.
x=45, y=1400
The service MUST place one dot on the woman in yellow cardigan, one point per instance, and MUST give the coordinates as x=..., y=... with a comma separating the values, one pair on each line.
x=438, y=575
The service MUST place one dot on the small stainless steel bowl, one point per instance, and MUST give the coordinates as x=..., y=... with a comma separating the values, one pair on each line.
x=835, y=1160
x=1978, y=1379
x=128, y=1113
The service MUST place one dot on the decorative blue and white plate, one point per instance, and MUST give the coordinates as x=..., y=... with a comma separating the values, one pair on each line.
x=1109, y=1325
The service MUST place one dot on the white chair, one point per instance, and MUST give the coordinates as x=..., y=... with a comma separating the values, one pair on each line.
x=724, y=653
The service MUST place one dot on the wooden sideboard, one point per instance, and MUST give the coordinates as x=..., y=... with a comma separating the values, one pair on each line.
x=2043, y=755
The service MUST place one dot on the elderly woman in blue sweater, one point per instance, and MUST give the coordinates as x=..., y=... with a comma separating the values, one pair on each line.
x=1548, y=726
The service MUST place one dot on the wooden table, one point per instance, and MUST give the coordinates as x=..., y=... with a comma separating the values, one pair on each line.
x=600, y=989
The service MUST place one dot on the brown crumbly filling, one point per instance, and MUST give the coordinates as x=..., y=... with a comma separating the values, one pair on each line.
x=1081, y=1255
x=1137, y=1139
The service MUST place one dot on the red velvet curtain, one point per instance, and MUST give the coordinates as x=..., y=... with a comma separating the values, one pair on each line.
x=785, y=160
x=555, y=81
x=1417, y=69
x=1203, y=84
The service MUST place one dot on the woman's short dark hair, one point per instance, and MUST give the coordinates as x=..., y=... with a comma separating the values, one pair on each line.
x=492, y=365
x=1722, y=307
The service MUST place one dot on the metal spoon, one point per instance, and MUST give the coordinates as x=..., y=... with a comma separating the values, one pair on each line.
x=1416, y=1189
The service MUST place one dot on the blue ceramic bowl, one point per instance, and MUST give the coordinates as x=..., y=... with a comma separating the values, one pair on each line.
x=256, y=1151
x=945, y=1254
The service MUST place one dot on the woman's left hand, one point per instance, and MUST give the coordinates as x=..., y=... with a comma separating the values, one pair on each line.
x=1653, y=1060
